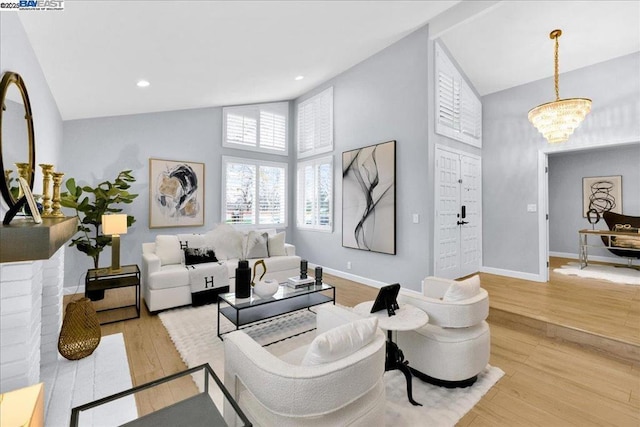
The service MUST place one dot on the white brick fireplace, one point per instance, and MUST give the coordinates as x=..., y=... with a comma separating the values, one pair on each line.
x=31, y=295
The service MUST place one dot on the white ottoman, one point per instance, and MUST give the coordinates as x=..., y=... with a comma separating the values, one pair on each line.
x=449, y=357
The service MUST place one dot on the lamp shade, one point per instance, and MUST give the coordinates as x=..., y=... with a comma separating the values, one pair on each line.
x=114, y=224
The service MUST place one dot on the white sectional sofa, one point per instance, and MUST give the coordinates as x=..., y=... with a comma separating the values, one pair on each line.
x=166, y=280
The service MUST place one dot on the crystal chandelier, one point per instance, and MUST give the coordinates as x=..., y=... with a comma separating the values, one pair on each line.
x=558, y=119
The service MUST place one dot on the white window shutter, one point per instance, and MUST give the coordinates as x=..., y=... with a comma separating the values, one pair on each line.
x=260, y=127
x=315, y=124
x=315, y=194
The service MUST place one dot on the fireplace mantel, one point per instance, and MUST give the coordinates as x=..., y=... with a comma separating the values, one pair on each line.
x=24, y=240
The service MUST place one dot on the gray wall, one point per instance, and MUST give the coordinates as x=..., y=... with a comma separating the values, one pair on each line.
x=97, y=149
x=17, y=55
x=383, y=98
x=566, y=171
x=511, y=145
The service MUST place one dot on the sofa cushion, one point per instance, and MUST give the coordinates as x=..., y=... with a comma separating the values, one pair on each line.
x=170, y=276
x=168, y=249
x=226, y=241
x=274, y=264
x=194, y=256
x=462, y=290
x=275, y=245
x=256, y=245
x=340, y=342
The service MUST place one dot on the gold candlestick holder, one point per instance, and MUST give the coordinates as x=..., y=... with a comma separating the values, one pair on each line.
x=47, y=171
x=24, y=170
x=57, y=181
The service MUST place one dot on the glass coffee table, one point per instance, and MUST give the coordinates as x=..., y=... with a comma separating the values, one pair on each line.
x=245, y=311
x=212, y=406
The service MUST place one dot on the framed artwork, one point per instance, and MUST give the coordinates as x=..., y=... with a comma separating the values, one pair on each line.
x=176, y=193
x=602, y=193
x=369, y=198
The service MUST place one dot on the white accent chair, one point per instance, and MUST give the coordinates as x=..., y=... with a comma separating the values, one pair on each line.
x=453, y=348
x=280, y=391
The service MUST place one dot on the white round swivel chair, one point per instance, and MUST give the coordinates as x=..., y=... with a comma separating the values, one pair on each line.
x=453, y=348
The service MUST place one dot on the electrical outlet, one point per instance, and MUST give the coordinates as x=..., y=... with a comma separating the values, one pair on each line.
x=348, y=265
x=532, y=208
x=416, y=218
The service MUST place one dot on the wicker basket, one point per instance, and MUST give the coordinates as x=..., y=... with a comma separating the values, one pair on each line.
x=80, y=333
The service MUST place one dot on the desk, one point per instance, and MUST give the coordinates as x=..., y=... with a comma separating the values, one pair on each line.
x=100, y=279
x=583, y=251
x=407, y=318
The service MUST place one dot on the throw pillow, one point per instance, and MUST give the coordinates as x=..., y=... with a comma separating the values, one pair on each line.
x=168, y=250
x=340, y=342
x=199, y=256
x=256, y=245
x=275, y=245
x=462, y=290
x=226, y=241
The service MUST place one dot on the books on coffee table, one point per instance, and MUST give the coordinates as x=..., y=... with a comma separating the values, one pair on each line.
x=296, y=282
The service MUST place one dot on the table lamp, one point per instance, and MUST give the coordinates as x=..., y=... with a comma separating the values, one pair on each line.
x=114, y=225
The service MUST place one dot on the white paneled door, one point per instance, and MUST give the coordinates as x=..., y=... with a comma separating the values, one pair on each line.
x=458, y=216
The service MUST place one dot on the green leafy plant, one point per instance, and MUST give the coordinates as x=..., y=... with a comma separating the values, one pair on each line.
x=91, y=206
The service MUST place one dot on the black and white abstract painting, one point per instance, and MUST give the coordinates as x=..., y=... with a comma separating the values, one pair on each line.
x=369, y=198
x=602, y=193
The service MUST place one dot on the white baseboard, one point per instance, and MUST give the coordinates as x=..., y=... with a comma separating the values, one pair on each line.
x=612, y=260
x=354, y=277
x=514, y=274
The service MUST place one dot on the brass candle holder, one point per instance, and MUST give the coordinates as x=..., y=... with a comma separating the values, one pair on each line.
x=57, y=181
x=24, y=170
x=47, y=171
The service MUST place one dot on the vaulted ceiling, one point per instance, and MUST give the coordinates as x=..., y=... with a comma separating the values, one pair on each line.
x=213, y=53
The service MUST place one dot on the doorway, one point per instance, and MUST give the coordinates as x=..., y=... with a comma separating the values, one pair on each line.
x=458, y=213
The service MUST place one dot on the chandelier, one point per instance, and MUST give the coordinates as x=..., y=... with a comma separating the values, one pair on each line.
x=558, y=119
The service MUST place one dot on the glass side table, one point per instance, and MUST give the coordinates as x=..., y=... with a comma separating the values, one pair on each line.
x=102, y=279
x=206, y=408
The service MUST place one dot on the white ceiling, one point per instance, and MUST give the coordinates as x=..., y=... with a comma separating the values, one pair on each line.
x=214, y=53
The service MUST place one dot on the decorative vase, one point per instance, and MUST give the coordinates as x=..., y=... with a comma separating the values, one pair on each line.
x=266, y=288
x=80, y=333
x=243, y=279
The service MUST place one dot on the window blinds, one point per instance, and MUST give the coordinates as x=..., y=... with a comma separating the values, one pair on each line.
x=254, y=192
x=458, y=109
x=315, y=194
x=315, y=124
x=260, y=127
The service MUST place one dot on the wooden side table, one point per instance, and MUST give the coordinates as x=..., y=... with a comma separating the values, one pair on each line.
x=100, y=279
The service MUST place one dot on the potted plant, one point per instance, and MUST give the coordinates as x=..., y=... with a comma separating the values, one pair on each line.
x=89, y=209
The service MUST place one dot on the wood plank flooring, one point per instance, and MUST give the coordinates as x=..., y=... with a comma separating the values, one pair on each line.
x=547, y=381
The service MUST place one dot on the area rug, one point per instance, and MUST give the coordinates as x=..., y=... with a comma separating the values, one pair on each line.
x=624, y=275
x=194, y=332
x=73, y=383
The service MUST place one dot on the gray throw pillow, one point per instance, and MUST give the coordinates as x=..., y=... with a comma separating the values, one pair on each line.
x=257, y=245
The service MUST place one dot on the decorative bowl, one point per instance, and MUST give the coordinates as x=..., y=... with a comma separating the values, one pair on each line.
x=266, y=288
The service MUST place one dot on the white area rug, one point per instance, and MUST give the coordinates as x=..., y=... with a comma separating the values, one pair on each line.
x=627, y=276
x=73, y=383
x=193, y=331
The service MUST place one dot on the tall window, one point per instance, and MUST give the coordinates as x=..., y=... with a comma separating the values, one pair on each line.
x=315, y=194
x=254, y=192
x=260, y=127
x=315, y=124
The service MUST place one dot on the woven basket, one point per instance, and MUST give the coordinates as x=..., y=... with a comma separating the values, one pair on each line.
x=80, y=333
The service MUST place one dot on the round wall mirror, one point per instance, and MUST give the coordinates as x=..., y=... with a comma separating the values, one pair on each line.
x=17, y=149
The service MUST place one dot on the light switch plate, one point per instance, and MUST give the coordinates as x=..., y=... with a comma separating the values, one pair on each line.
x=532, y=208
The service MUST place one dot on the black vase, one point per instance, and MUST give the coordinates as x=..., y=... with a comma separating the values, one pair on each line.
x=243, y=279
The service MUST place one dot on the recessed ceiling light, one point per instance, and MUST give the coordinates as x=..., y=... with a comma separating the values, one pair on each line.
x=299, y=77
x=142, y=83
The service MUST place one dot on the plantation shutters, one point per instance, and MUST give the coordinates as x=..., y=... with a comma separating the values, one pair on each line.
x=260, y=127
x=315, y=194
x=315, y=124
x=458, y=110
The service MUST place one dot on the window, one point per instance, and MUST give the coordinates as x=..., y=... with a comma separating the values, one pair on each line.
x=315, y=124
x=254, y=192
x=458, y=109
x=315, y=194
x=260, y=127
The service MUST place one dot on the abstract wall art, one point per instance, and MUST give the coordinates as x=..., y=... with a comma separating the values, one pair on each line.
x=176, y=193
x=602, y=193
x=369, y=198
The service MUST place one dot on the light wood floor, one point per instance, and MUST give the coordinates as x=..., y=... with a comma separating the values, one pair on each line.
x=547, y=381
